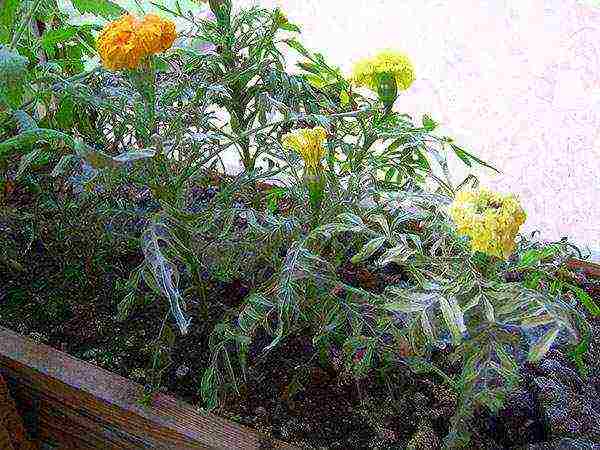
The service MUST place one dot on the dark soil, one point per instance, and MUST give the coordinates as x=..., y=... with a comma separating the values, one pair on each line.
x=66, y=295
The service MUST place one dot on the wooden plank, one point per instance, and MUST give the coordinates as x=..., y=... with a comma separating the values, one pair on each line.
x=79, y=405
x=591, y=269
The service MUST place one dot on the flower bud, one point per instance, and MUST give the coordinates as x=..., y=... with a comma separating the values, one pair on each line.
x=387, y=88
x=316, y=185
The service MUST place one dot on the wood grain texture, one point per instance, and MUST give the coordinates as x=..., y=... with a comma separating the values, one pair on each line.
x=81, y=406
x=591, y=269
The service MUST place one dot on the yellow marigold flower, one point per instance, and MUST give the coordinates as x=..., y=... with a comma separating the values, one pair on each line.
x=491, y=220
x=123, y=43
x=309, y=144
x=367, y=72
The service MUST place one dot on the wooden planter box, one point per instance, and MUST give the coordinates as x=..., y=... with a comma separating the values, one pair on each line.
x=71, y=404
x=591, y=269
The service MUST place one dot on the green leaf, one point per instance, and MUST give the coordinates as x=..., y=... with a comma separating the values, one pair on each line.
x=398, y=254
x=532, y=281
x=369, y=249
x=164, y=9
x=53, y=37
x=24, y=120
x=282, y=22
x=316, y=81
x=576, y=355
x=359, y=351
x=125, y=306
x=586, y=300
x=462, y=156
x=290, y=27
x=428, y=123
x=101, y=8
x=539, y=350
x=13, y=67
x=453, y=316
x=30, y=137
x=344, y=98
x=293, y=43
x=64, y=114
x=255, y=312
x=27, y=160
x=467, y=157
x=530, y=258
x=8, y=15
x=160, y=64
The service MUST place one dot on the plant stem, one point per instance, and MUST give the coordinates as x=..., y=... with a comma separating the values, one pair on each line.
x=24, y=24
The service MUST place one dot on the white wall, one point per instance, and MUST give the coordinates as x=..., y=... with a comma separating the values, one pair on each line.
x=515, y=81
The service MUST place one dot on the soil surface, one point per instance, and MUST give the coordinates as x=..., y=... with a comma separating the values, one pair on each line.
x=69, y=284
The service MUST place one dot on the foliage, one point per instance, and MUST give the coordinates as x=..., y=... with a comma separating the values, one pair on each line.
x=163, y=127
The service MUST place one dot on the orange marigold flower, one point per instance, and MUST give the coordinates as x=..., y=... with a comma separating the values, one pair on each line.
x=118, y=44
x=149, y=33
x=158, y=34
x=123, y=43
x=168, y=35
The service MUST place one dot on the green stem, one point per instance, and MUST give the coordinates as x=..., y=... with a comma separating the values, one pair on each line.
x=24, y=24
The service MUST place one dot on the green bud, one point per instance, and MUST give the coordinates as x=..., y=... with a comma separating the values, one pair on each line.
x=221, y=9
x=387, y=89
x=316, y=185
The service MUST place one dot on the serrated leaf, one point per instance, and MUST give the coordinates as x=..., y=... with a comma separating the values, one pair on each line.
x=316, y=80
x=488, y=309
x=101, y=8
x=359, y=352
x=368, y=249
x=27, y=160
x=255, y=311
x=352, y=219
x=282, y=22
x=52, y=37
x=24, y=121
x=8, y=15
x=539, y=350
x=134, y=155
x=428, y=329
x=30, y=137
x=293, y=43
x=13, y=67
x=453, y=316
x=529, y=259
x=586, y=300
x=398, y=254
x=125, y=306
x=164, y=272
x=467, y=157
x=344, y=98
x=382, y=222
x=64, y=114
x=208, y=388
x=101, y=160
x=62, y=164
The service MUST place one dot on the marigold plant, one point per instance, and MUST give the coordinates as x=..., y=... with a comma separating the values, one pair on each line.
x=490, y=219
x=125, y=42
